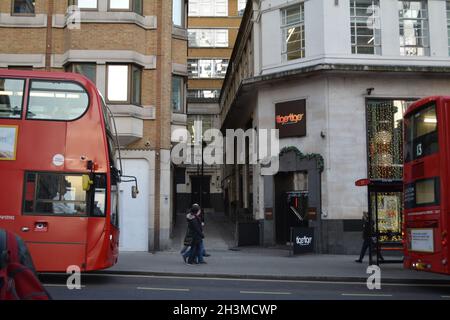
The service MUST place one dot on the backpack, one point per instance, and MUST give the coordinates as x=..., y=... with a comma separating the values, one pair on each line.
x=18, y=279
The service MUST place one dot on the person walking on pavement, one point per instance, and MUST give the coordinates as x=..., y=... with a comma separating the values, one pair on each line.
x=367, y=237
x=195, y=228
x=202, y=245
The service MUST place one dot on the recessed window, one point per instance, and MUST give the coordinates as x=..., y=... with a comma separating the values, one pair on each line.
x=124, y=84
x=208, y=8
x=177, y=94
x=241, y=7
x=56, y=100
x=119, y=4
x=207, y=68
x=84, y=4
x=365, y=26
x=208, y=38
x=11, y=98
x=23, y=6
x=204, y=93
x=385, y=138
x=293, y=31
x=89, y=70
x=414, y=28
x=178, y=13
x=126, y=5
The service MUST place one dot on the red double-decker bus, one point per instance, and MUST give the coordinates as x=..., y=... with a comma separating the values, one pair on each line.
x=58, y=178
x=426, y=184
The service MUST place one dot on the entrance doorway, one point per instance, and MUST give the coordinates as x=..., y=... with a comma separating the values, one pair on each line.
x=200, y=190
x=285, y=217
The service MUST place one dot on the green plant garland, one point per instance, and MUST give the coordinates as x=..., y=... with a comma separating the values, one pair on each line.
x=309, y=156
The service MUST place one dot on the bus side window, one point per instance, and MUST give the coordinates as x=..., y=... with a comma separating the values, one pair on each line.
x=30, y=187
x=114, y=204
x=99, y=206
x=52, y=100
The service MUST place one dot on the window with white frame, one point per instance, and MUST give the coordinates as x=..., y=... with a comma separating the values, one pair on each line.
x=178, y=13
x=208, y=8
x=126, y=5
x=25, y=7
x=414, y=30
x=241, y=7
x=293, y=32
x=207, y=68
x=365, y=26
x=123, y=83
x=208, y=38
x=448, y=24
x=204, y=93
x=178, y=94
x=84, y=4
x=197, y=125
x=88, y=70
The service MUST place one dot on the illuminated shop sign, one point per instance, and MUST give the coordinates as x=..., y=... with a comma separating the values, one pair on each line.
x=290, y=118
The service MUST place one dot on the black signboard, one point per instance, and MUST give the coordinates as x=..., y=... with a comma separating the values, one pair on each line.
x=409, y=195
x=290, y=118
x=302, y=240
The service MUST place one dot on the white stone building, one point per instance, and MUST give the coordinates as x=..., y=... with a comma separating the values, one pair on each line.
x=355, y=65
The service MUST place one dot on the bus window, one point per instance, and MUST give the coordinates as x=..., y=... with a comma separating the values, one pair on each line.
x=114, y=204
x=11, y=98
x=99, y=208
x=426, y=192
x=422, y=193
x=56, y=194
x=421, y=134
x=51, y=100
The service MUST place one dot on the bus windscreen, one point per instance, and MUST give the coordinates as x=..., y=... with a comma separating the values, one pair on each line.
x=421, y=134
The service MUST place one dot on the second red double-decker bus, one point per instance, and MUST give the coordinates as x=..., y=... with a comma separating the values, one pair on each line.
x=58, y=179
x=427, y=184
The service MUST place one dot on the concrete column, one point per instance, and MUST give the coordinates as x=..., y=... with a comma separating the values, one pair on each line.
x=268, y=200
x=245, y=185
x=236, y=181
x=101, y=79
x=102, y=5
x=390, y=28
x=437, y=16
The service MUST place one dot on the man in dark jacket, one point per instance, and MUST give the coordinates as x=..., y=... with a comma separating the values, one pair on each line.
x=195, y=229
x=367, y=236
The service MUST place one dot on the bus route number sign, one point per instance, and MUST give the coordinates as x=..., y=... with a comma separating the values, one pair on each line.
x=419, y=150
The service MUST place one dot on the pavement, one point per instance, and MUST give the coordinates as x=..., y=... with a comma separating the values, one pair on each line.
x=229, y=261
x=267, y=263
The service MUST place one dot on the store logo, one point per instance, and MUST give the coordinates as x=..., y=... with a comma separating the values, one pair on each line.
x=290, y=119
x=374, y=280
x=303, y=241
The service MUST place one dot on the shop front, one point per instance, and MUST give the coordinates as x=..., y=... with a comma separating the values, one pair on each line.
x=385, y=174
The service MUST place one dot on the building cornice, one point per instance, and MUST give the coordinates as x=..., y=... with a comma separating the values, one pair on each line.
x=103, y=57
x=17, y=21
x=146, y=22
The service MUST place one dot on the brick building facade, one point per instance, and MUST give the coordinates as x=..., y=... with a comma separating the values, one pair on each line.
x=136, y=53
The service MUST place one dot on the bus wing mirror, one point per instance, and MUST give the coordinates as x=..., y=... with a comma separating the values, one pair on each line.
x=87, y=182
x=134, y=192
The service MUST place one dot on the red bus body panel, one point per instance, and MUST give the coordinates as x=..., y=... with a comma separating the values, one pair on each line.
x=433, y=217
x=87, y=242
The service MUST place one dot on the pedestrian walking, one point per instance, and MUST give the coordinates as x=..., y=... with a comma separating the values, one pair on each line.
x=367, y=238
x=195, y=229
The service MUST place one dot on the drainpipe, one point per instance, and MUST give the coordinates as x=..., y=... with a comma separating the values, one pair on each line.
x=48, y=41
